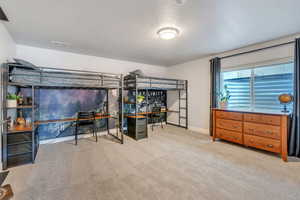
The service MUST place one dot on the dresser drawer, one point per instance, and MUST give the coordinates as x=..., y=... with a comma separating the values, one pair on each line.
x=262, y=130
x=264, y=119
x=262, y=143
x=229, y=115
x=229, y=135
x=229, y=125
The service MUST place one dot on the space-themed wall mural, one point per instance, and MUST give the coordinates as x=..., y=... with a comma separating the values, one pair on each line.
x=56, y=104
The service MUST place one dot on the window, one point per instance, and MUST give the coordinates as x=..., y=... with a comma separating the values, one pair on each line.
x=258, y=87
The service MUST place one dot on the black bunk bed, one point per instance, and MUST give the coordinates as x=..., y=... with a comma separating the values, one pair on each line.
x=20, y=145
x=158, y=89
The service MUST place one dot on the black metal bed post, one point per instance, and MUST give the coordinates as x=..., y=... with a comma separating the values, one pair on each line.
x=186, y=104
x=147, y=110
x=33, y=123
x=118, y=127
x=2, y=122
x=179, y=104
x=107, y=110
x=122, y=109
x=136, y=104
x=167, y=107
x=120, y=114
x=5, y=71
x=3, y=117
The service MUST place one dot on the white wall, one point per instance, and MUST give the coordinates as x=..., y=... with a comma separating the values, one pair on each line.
x=60, y=59
x=197, y=72
x=7, y=45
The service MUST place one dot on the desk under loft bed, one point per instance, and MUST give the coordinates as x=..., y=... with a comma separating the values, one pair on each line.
x=20, y=142
x=155, y=90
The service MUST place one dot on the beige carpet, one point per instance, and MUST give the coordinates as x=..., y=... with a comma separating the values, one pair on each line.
x=171, y=164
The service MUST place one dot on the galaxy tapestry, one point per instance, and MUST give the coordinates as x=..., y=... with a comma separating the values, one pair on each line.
x=54, y=104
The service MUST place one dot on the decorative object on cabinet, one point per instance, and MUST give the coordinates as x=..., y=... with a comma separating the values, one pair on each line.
x=11, y=101
x=20, y=119
x=20, y=99
x=266, y=131
x=224, y=97
x=285, y=99
x=140, y=98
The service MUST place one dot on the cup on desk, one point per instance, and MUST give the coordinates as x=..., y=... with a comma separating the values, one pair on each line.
x=28, y=121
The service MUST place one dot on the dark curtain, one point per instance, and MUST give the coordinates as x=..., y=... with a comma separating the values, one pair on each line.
x=294, y=137
x=215, y=69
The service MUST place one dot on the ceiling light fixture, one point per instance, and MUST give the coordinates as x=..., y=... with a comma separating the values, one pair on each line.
x=168, y=33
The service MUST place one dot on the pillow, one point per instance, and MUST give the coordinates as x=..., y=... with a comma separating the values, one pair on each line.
x=137, y=72
x=25, y=64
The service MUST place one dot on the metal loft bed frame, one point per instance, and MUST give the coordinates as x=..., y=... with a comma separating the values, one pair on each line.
x=136, y=83
x=14, y=74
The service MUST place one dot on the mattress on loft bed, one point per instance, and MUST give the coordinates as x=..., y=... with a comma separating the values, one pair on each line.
x=159, y=83
x=27, y=76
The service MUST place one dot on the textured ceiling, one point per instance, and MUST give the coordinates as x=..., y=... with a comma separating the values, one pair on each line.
x=126, y=29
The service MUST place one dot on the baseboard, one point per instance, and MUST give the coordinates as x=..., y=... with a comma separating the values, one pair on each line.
x=69, y=138
x=199, y=130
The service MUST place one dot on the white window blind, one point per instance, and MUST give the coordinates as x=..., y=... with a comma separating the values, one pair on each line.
x=259, y=87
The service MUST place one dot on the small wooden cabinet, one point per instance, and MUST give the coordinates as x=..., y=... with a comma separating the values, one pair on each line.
x=266, y=131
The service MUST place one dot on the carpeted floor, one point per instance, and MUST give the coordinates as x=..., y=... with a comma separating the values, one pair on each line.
x=171, y=164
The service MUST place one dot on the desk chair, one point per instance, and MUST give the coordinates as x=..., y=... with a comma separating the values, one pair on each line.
x=155, y=117
x=85, y=119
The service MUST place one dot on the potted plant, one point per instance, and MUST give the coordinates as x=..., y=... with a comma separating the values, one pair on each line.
x=140, y=98
x=224, y=97
x=12, y=100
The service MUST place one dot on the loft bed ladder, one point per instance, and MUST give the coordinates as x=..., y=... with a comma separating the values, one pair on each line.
x=183, y=106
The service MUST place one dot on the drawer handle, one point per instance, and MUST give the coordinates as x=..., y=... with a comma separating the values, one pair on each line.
x=251, y=140
x=269, y=132
x=251, y=129
x=270, y=145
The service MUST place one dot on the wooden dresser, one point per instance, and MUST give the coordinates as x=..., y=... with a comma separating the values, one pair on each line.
x=262, y=130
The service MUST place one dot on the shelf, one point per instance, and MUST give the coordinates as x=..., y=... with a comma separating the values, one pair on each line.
x=18, y=129
x=18, y=143
x=19, y=160
x=20, y=107
x=136, y=117
x=24, y=85
x=19, y=154
x=129, y=103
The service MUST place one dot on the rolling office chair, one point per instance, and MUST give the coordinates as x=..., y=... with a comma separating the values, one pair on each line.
x=85, y=119
x=155, y=117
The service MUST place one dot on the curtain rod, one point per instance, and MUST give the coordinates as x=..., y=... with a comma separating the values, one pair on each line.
x=255, y=50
